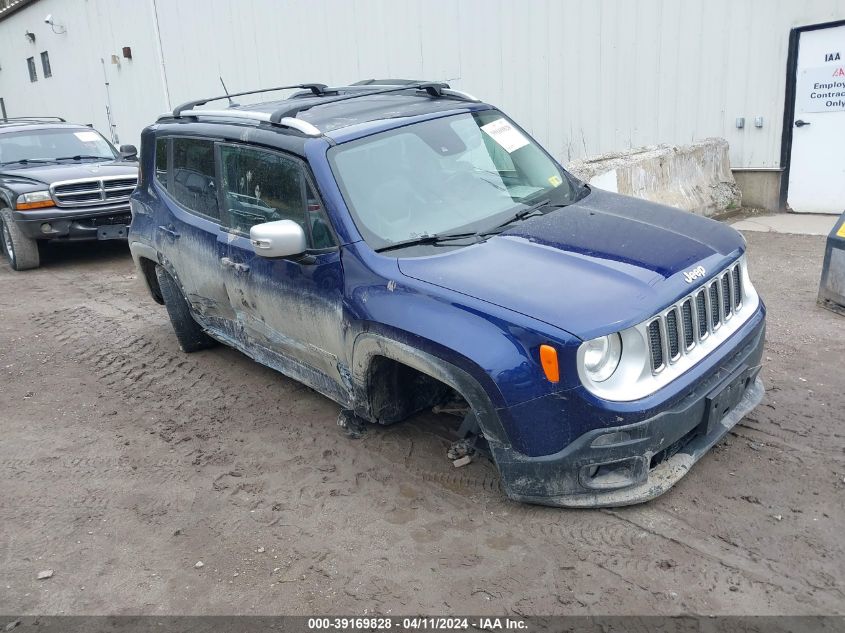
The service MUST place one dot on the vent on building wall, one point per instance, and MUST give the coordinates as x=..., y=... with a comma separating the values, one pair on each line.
x=45, y=64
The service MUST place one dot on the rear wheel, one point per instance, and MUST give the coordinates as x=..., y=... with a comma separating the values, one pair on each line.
x=188, y=332
x=21, y=250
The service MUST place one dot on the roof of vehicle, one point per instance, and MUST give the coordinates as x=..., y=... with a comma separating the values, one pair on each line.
x=36, y=123
x=320, y=110
x=328, y=116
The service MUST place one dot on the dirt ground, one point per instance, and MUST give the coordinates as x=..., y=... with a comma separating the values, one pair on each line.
x=124, y=462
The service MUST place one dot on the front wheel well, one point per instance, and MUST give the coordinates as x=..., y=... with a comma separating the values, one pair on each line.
x=397, y=391
x=148, y=269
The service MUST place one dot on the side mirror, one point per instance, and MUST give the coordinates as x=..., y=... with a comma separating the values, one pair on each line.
x=128, y=152
x=282, y=238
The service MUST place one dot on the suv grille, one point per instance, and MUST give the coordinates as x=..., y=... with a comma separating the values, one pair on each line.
x=689, y=333
x=107, y=220
x=656, y=345
x=701, y=310
x=737, y=279
x=700, y=314
x=94, y=191
x=672, y=334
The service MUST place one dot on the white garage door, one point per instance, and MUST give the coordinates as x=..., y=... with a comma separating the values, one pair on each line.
x=817, y=159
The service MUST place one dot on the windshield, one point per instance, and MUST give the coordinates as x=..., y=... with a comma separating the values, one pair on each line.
x=461, y=173
x=50, y=145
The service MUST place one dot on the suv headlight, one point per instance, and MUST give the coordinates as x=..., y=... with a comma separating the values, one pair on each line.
x=601, y=356
x=34, y=200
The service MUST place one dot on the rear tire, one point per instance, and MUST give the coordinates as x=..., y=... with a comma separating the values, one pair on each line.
x=188, y=332
x=22, y=251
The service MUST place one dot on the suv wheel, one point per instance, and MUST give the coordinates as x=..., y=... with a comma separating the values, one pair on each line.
x=188, y=332
x=21, y=250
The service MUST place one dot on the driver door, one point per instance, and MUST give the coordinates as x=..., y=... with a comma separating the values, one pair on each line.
x=291, y=306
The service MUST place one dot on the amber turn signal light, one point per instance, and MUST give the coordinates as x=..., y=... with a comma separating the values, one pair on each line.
x=548, y=359
x=23, y=206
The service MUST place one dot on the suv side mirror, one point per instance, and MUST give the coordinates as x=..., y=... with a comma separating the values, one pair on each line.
x=282, y=238
x=128, y=152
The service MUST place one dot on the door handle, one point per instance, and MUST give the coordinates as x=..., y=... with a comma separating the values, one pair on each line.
x=228, y=263
x=800, y=123
x=169, y=232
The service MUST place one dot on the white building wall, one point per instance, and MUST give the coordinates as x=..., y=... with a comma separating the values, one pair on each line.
x=95, y=30
x=584, y=76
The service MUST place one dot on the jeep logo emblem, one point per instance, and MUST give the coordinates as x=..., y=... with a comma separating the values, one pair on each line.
x=696, y=273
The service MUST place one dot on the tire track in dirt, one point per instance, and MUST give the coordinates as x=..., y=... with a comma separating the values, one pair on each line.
x=131, y=364
x=159, y=379
x=629, y=549
x=765, y=572
x=140, y=368
x=94, y=468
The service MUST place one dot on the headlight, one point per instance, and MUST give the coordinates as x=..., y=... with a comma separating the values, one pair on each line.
x=601, y=356
x=34, y=200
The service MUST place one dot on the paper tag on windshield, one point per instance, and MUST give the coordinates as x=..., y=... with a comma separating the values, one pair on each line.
x=87, y=137
x=505, y=135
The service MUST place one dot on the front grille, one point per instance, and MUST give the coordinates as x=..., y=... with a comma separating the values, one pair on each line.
x=672, y=334
x=708, y=307
x=656, y=345
x=737, y=275
x=107, y=220
x=686, y=317
x=715, y=321
x=94, y=191
x=701, y=310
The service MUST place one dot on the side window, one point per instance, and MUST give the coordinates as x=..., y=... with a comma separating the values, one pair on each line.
x=261, y=186
x=161, y=161
x=194, y=185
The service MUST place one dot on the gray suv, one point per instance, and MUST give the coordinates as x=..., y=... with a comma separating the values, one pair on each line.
x=60, y=181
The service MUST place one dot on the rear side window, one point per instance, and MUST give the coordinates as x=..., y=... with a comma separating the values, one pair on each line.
x=193, y=183
x=161, y=161
x=261, y=186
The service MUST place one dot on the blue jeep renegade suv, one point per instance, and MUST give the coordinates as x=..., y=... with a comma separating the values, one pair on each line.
x=397, y=244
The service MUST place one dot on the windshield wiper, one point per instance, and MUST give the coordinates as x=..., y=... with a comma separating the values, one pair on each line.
x=82, y=156
x=426, y=239
x=534, y=209
x=27, y=161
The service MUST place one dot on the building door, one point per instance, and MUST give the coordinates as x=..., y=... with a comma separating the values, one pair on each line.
x=817, y=157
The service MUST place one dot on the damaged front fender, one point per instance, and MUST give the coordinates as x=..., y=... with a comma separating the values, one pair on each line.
x=370, y=345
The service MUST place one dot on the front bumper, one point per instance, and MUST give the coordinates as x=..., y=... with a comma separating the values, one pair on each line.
x=624, y=465
x=86, y=223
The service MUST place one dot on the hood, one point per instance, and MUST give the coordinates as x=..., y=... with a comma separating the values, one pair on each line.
x=597, y=266
x=28, y=175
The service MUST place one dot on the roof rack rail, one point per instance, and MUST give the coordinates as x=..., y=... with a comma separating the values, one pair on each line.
x=317, y=89
x=387, y=82
x=32, y=118
x=296, y=124
x=434, y=89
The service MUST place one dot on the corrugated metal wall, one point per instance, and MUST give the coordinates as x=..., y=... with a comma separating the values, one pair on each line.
x=584, y=76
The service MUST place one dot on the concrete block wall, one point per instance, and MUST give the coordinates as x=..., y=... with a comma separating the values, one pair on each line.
x=695, y=177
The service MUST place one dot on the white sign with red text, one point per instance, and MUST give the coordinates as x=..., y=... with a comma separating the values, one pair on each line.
x=822, y=89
